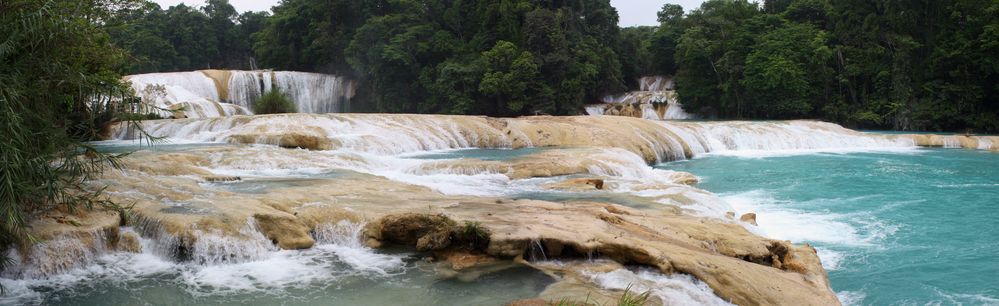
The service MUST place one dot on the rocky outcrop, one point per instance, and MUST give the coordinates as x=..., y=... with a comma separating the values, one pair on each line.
x=973, y=142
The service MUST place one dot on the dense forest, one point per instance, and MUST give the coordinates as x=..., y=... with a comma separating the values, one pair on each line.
x=906, y=65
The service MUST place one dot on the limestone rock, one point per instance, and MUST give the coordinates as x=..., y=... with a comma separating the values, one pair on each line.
x=129, y=242
x=749, y=218
x=285, y=231
x=580, y=184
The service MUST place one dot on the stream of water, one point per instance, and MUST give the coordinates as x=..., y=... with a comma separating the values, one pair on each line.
x=912, y=228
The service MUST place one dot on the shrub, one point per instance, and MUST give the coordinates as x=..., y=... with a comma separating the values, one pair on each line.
x=274, y=102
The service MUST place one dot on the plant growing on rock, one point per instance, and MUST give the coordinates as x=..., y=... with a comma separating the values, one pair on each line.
x=274, y=102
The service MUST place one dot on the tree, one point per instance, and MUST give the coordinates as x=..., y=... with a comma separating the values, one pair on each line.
x=60, y=84
x=510, y=75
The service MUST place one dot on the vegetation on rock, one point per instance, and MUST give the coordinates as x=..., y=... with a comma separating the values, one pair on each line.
x=274, y=102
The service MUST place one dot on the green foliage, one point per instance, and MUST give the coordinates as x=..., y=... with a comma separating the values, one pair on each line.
x=183, y=38
x=629, y=298
x=60, y=84
x=274, y=102
x=510, y=75
x=868, y=64
x=927, y=65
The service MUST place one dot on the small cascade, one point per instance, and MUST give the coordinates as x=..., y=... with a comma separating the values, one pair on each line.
x=384, y=134
x=677, y=289
x=655, y=100
x=215, y=247
x=344, y=239
x=655, y=83
x=58, y=255
x=951, y=142
x=536, y=251
x=984, y=143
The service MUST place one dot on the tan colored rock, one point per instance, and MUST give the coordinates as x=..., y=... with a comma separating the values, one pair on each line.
x=581, y=184
x=218, y=178
x=287, y=232
x=461, y=260
x=749, y=218
x=129, y=242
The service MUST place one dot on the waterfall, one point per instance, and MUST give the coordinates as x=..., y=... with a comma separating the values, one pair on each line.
x=179, y=86
x=386, y=134
x=312, y=92
x=655, y=83
x=655, y=100
x=221, y=93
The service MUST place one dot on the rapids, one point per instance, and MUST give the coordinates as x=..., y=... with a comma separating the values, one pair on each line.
x=572, y=205
x=911, y=228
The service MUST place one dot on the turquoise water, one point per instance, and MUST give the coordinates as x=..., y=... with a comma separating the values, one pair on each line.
x=483, y=154
x=919, y=228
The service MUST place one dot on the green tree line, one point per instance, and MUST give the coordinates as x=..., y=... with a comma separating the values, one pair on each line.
x=890, y=64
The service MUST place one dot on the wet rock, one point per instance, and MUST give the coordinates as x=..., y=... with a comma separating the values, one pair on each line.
x=285, y=231
x=579, y=184
x=425, y=232
x=461, y=260
x=219, y=178
x=749, y=218
x=129, y=242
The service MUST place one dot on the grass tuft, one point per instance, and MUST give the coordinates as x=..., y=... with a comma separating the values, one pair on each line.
x=274, y=102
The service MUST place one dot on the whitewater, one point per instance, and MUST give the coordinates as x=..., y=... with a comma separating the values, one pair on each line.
x=307, y=190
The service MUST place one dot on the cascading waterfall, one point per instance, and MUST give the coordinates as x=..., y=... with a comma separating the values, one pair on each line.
x=655, y=99
x=221, y=93
x=180, y=86
x=397, y=134
x=312, y=92
x=655, y=83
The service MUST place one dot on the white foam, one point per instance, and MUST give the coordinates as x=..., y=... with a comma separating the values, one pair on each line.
x=676, y=289
x=851, y=298
x=344, y=240
x=783, y=223
x=831, y=259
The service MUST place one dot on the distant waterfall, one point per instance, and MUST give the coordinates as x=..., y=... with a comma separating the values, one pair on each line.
x=655, y=83
x=312, y=92
x=220, y=93
x=656, y=100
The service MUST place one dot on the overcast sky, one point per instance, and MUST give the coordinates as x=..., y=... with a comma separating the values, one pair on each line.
x=632, y=12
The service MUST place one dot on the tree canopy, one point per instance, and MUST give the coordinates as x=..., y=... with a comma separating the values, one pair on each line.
x=929, y=65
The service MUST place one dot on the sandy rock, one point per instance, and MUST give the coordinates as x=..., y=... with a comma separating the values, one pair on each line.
x=129, y=242
x=460, y=260
x=285, y=231
x=749, y=218
x=581, y=184
x=218, y=178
